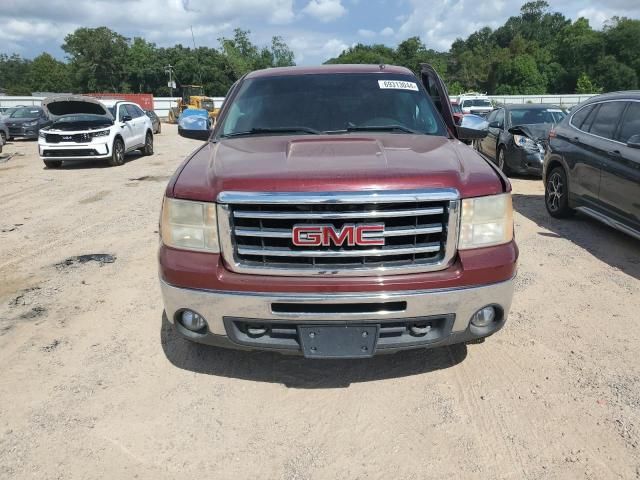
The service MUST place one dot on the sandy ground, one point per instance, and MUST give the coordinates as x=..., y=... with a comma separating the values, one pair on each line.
x=93, y=383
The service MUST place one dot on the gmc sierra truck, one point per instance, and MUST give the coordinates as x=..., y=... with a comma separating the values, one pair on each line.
x=334, y=212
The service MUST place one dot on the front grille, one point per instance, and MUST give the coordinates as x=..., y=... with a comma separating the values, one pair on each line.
x=79, y=152
x=76, y=137
x=420, y=232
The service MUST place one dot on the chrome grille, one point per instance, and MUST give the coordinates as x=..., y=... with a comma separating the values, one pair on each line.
x=420, y=231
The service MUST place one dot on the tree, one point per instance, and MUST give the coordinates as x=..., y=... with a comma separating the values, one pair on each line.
x=98, y=59
x=613, y=75
x=49, y=75
x=585, y=85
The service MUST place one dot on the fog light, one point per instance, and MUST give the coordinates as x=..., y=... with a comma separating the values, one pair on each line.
x=484, y=317
x=192, y=321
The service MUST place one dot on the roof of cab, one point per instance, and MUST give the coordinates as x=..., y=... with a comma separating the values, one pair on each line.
x=344, y=68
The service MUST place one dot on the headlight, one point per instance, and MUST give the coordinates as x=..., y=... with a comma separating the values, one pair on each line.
x=41, y=134
x=190, y=225
x=486, y=221
x=102, y=133
x=525, y=142
x=30, y=124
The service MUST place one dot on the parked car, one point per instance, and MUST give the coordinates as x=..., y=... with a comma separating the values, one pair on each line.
x=337, y=232
x=475, y=103
x=155, y=121
x=518, y=135
x=26, y=122
x=6, y=111
x=85, y=128
x=4, y=131
x=593, y=162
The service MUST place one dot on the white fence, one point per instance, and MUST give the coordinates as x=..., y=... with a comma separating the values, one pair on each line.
x=160, y=104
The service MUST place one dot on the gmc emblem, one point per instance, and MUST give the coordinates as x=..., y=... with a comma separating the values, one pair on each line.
x=371, y=234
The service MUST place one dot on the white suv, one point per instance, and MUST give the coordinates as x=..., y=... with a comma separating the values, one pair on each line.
x=475, y=103
x=88, y=129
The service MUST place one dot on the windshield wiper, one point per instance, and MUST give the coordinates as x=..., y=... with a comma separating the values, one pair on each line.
x=260, y=130
x=377, y=128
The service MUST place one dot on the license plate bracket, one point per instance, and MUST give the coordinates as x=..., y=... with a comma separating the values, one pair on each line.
x=338, y=341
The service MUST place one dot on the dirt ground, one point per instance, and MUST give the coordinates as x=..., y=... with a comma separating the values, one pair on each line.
x=94, y=384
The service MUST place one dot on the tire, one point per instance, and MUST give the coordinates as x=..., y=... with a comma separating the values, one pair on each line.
x=53, y=163
x=502, y=161
x=148, y=145
x=117, y=153
x=159, y=128
x=556, y=194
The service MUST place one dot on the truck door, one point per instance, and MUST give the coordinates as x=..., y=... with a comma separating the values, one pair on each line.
x=439, y=95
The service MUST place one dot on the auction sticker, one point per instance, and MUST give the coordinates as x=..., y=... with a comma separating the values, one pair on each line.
x=398, y=85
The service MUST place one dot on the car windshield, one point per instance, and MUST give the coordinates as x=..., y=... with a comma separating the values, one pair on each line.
x=331, y=103
x=477, y=102
x=26, y=113
x=532, y=116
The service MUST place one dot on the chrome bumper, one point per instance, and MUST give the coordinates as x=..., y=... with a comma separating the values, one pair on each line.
x=215, y=305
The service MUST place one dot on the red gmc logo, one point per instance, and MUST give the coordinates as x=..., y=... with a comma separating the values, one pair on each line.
x=327, y=235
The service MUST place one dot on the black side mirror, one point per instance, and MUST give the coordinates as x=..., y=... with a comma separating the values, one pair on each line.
x=194, y=134
x=472, y=127
x=127, y=118
x=634, y=141
x=495, y=125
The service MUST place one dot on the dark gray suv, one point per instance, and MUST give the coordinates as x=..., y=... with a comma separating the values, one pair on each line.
x=593, y=162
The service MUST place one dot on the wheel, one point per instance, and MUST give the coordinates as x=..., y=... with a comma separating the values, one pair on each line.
x=148, y=145
x=159, y=128
x=117, y=154
x=556, y=194
x=502, y=163
x=53, y=163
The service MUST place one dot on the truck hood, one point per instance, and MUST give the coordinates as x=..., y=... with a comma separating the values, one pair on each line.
x=333, y=163
x=74, y=104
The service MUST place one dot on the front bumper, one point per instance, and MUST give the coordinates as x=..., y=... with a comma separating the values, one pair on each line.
x=23, y=132
x=449, y=310
x=524, y=161
x=74, y=151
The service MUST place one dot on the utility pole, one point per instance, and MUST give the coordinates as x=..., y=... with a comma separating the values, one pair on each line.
x=169, y=69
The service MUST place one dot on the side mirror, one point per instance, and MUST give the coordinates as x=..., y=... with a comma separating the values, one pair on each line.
x=194, y=134
x=634, y=141
x=127, y=118
x=472, y=127
x=495, y=125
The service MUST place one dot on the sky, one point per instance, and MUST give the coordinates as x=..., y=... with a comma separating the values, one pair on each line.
x=316, y=30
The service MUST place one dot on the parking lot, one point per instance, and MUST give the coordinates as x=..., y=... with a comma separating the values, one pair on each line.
x=94, y=383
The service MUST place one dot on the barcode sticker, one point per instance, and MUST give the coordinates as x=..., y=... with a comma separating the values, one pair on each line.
x=398, y=85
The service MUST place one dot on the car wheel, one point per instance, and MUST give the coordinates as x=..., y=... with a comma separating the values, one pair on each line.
x=159, y=128
x=502, y=161
x=556, y=194
x=117, y=154
x=148, y=145
x=53, y=163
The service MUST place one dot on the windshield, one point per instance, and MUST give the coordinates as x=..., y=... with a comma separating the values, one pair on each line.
x=455, y=108
x=332, y=103
x=26, y=113
x=478, y=102
x=532, y=116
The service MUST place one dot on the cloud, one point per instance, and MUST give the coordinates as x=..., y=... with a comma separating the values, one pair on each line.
x=313, y=48
x=366, y=33
x=325, y=10
x=387, y=32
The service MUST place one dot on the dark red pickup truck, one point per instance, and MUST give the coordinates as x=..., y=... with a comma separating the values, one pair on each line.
x=334, y=212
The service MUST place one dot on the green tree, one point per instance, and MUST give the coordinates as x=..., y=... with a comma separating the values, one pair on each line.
x=98, y=59
x=14, y=74
x=585, y=85
x=613, y=75
x=520, y=76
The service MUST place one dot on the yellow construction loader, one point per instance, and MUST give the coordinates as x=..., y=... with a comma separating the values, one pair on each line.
x=193, y=97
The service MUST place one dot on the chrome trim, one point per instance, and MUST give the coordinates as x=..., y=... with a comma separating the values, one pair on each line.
x=229, y=255
x=286, y=198
x=378, y=252
x=282, y=233
x=336, y=215
x=609, y=221
x=215, y=305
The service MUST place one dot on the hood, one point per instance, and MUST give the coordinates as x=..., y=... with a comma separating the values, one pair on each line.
x=333, y=163
x=74, y=104
x=537, y=131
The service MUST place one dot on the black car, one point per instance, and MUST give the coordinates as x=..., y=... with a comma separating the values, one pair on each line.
x=593, y=162
x=518, y=135
x=26, y=122
x=155, y=121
